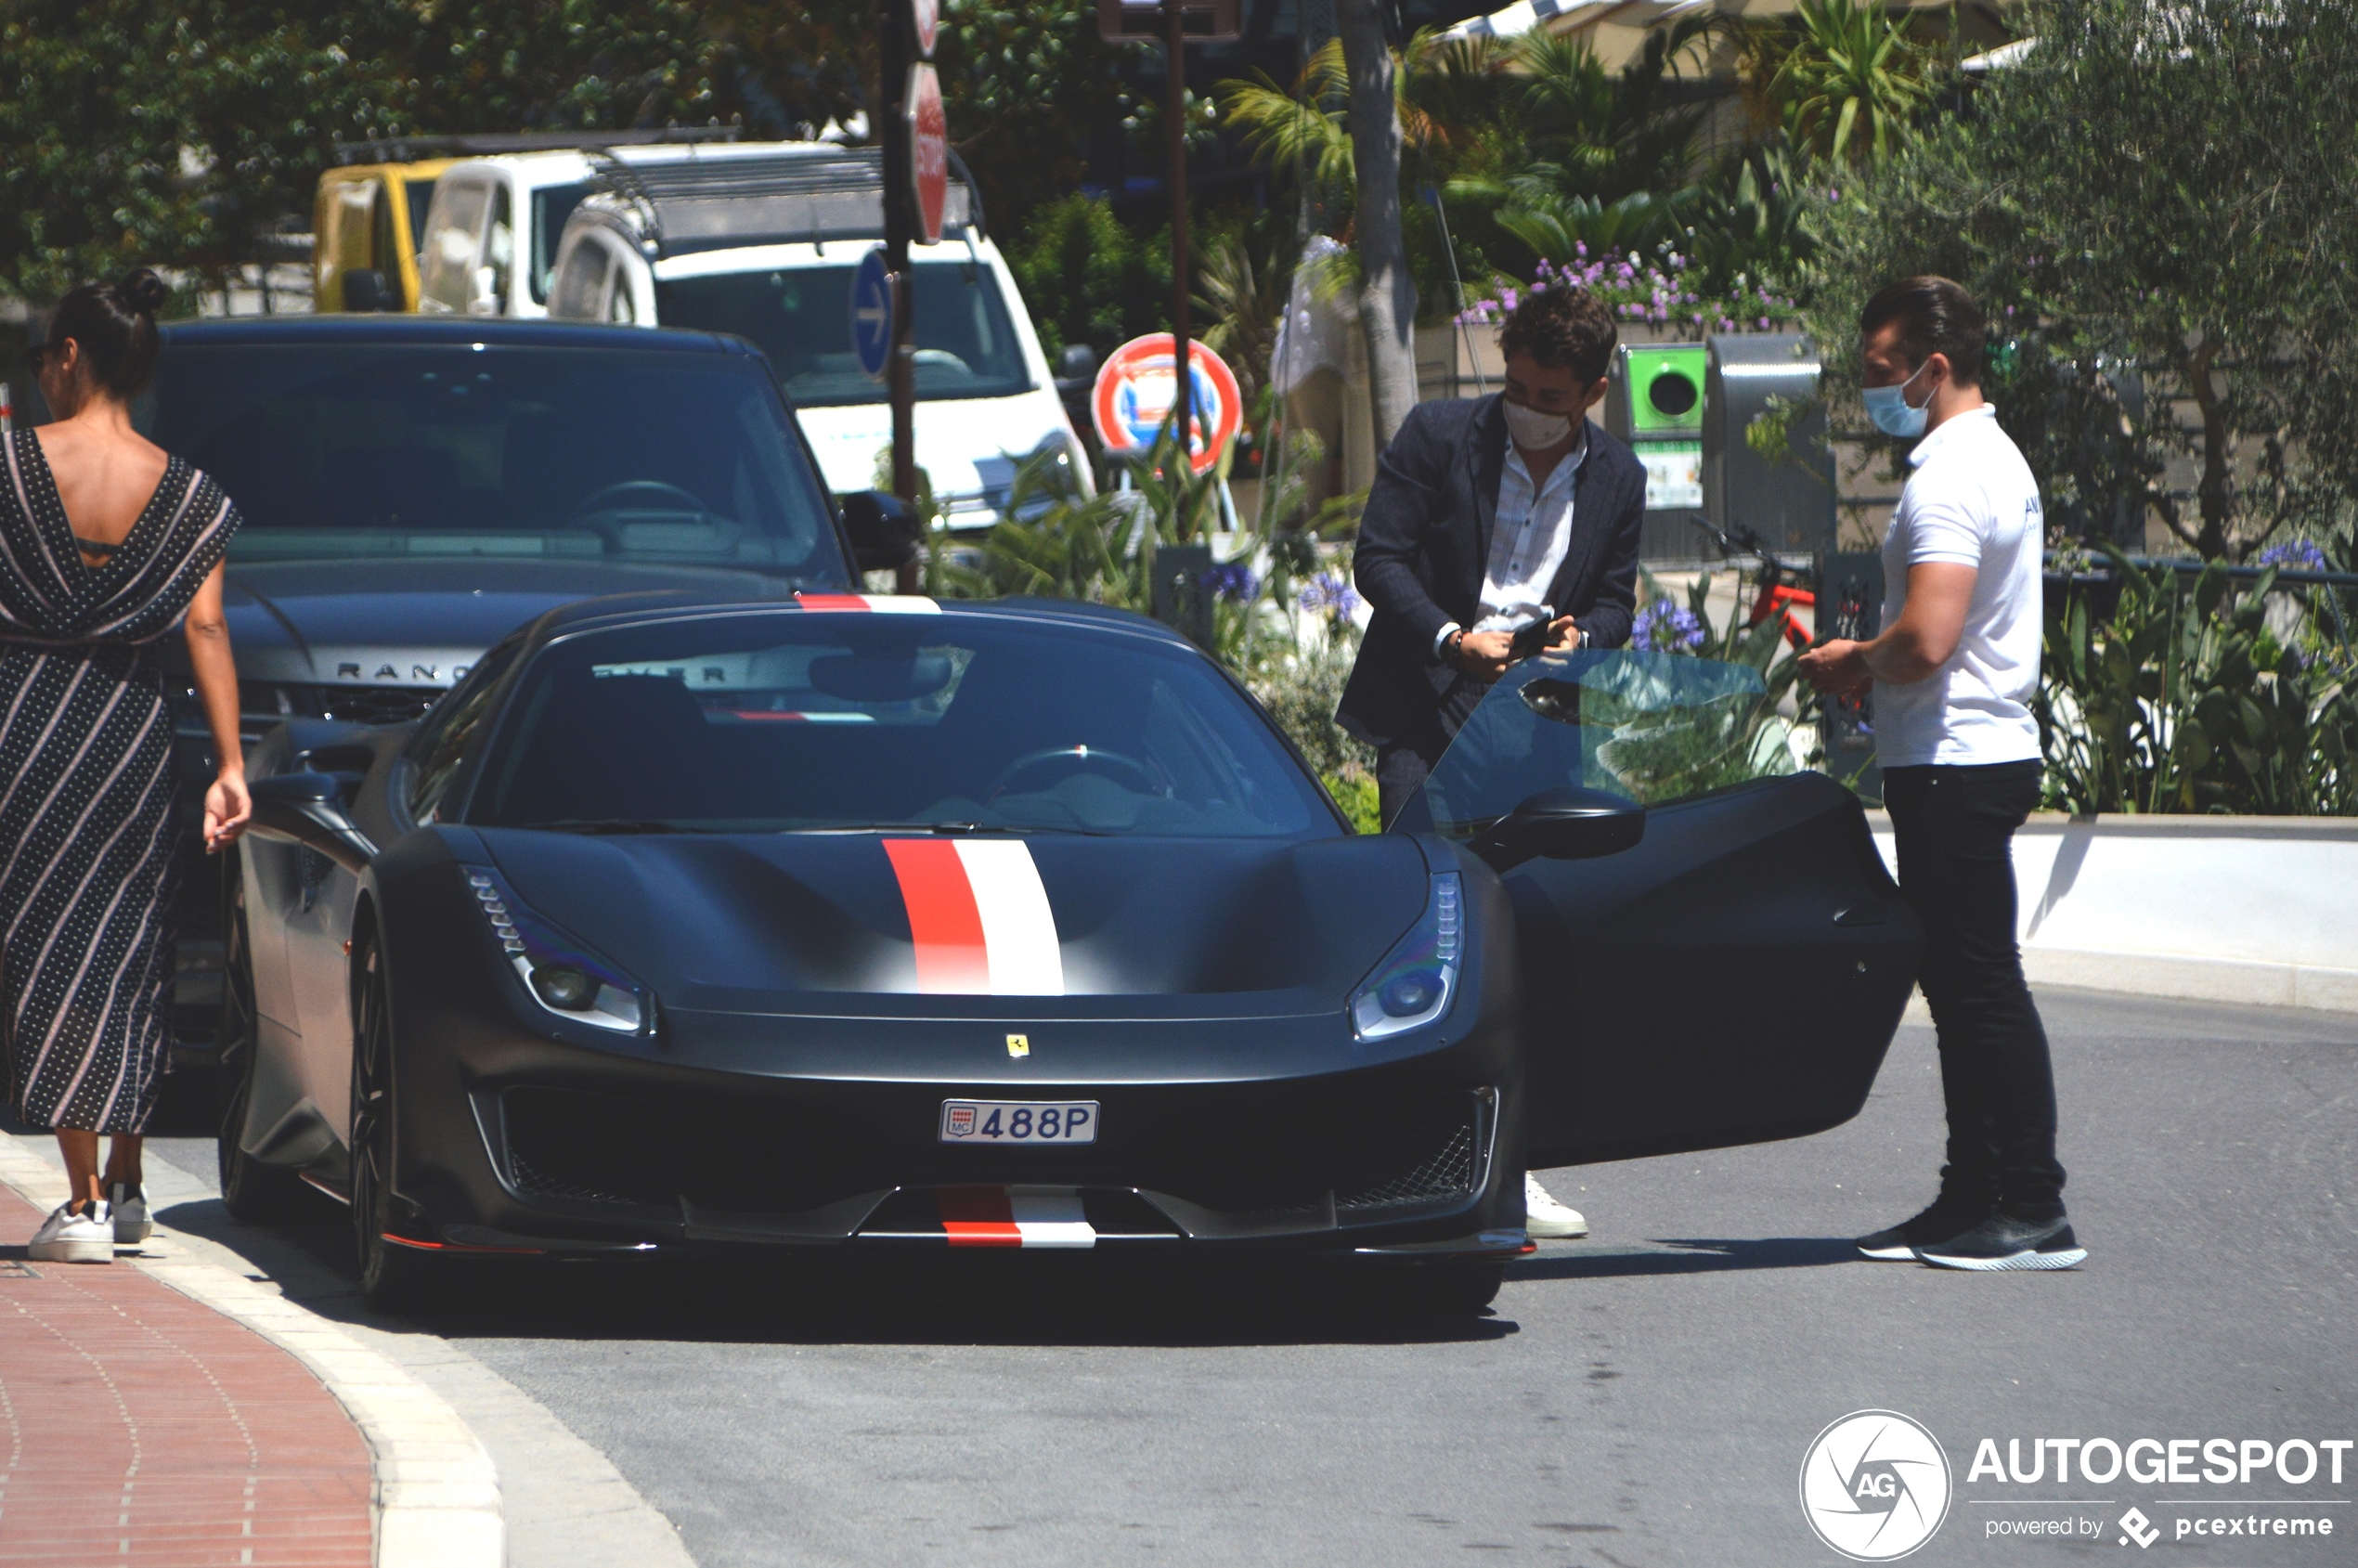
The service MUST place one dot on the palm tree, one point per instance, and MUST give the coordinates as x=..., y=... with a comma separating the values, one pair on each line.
x=1852, y=81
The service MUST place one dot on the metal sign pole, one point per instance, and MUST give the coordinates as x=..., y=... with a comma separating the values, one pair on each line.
x=1175, y=114
x=899, y=197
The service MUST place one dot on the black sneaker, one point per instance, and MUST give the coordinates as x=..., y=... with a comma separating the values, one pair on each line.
x=2003, y=1242
x=1944, y=1219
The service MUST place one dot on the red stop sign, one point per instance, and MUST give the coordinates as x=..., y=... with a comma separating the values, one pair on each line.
x=928, y=149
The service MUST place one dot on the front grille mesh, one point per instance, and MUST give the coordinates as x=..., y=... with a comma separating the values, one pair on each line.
x=1446, y=1172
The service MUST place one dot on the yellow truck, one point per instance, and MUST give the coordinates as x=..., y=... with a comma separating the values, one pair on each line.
x=365, y=224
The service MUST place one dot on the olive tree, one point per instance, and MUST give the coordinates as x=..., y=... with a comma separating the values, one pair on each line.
x=2157, y=206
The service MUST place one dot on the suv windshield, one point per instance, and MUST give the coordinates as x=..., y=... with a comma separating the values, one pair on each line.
x=342, y=450
x=801, y=319
x=801, y=720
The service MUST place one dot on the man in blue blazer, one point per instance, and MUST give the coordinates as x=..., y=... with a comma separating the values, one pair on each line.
x=1487, y=514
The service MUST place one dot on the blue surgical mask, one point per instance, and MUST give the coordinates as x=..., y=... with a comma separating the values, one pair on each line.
x=1892, y=413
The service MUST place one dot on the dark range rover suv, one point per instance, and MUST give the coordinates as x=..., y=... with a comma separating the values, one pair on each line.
x=414, y=488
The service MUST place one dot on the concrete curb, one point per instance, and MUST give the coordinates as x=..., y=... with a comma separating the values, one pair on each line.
x=436, y=1500
x=2251, y=910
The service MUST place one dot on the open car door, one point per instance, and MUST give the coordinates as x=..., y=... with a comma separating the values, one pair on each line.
x=1737, y=975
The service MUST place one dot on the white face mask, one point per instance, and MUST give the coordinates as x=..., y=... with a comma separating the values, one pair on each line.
x=1532, y=429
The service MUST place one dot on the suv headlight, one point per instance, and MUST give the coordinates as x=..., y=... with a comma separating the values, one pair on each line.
x=1417, y=979
x=564, y=976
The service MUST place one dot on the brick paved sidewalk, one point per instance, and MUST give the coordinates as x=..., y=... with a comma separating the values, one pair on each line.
x=140, y=1427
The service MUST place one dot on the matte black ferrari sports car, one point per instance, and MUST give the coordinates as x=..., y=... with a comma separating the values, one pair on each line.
x=878, y=923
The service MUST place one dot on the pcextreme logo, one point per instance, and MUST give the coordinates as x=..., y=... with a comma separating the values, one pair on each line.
x=1875, y=1486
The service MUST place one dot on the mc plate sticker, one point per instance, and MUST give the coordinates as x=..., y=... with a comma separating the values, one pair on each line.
x=1018, y=1121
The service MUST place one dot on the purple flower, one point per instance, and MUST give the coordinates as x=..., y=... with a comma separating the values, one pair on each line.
x=1331, y=592
x=2298, y=555
x=1664, y=627
x=1231, y=580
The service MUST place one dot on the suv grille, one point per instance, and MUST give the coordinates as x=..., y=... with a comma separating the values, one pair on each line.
x=266, y=702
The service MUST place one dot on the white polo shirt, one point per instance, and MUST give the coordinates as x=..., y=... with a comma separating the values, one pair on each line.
x=1972, y=502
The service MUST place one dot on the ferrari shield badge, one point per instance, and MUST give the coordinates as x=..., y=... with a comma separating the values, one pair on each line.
x=1019, y=1045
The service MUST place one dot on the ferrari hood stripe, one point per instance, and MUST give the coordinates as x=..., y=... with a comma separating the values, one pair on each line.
x=943, y=922
x=877, y=603
x=980, y=917
x=1013, y=1216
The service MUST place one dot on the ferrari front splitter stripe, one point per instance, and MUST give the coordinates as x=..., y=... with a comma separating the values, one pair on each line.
x=978, y=916
x=1013, y=1216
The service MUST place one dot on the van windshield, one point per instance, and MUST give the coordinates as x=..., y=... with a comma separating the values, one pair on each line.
x=337, y=450
x=801, y=319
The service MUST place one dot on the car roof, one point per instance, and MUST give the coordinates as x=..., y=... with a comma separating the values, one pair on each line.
x=625, y=610
x=431, y=331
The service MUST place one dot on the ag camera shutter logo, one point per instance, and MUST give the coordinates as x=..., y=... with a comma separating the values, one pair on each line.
x=1875, y=1486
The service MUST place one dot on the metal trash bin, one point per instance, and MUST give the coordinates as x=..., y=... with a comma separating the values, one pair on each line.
x=1787, y=499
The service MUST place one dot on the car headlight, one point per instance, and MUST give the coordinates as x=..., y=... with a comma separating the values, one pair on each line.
x=1417, y=979
x=557, y=972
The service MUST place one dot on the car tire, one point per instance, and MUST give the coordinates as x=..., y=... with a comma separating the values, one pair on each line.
x=252, y=1191
x=1457, y=1289
x=392, y=1276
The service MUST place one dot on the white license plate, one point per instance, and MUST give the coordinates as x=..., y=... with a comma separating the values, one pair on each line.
x=1018, y=1121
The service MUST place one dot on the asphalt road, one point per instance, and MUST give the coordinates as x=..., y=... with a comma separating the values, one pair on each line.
x=1644, y=1397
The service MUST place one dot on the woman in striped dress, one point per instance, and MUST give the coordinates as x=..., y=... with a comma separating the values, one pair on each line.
x=105, y=545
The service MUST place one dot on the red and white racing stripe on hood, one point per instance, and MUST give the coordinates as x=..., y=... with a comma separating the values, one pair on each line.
x=1013, y=1216
x=875, y=604
x=980, y=917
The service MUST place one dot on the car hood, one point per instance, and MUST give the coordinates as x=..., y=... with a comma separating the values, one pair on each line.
x=423, y=623
x=853, y=925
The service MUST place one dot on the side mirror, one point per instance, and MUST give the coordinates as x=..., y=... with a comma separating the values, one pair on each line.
x=1077, y=363
x=365, y=290
x=1563, y=825
x=307, y=809
x=884, y=529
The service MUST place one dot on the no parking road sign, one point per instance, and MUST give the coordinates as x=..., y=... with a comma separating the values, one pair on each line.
x=871, y=314
x=1137, y=385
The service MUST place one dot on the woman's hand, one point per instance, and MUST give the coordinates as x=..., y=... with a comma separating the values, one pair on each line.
x=227, y=808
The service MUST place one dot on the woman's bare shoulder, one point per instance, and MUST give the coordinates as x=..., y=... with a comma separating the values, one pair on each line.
x=72, y=448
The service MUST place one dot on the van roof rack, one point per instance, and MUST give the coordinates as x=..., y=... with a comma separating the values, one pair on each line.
x=485, y=144
x=694, y=204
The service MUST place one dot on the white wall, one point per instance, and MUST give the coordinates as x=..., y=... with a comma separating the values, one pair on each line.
x=2259, y=910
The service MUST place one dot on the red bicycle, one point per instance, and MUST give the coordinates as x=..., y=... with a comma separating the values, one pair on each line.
x=1776, y=596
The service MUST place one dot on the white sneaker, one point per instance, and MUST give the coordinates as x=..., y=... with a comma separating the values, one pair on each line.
x=1543, y=1216
x=128, y=1203
x=68, y=1238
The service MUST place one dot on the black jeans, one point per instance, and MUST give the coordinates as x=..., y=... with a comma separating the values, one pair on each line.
x=1954, y=828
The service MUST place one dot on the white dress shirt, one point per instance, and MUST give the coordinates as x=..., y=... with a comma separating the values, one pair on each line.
x=1528, y=539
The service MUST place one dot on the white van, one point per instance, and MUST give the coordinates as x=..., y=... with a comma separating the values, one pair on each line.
x=489, y=242
x=762, y=240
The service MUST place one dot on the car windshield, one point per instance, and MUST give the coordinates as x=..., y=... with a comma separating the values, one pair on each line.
x=801, y=319
x=341, y=450
x=799, y=720
x=1650, y=727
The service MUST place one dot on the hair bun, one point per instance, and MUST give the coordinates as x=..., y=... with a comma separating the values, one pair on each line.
x=142, y=291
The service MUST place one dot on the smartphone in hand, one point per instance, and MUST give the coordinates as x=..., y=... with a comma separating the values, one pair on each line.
x=1531, y=639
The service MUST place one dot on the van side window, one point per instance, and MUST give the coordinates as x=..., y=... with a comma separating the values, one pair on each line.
x=500, y=252
x=454, y=231
x=450, y=729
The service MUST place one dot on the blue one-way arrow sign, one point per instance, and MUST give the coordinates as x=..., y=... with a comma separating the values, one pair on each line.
x=871, y=314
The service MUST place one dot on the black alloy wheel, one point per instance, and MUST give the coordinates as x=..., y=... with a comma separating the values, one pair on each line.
x=251, y=1191
x=391, y=1276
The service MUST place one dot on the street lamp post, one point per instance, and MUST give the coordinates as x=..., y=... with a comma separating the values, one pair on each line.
x=1175, y=115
